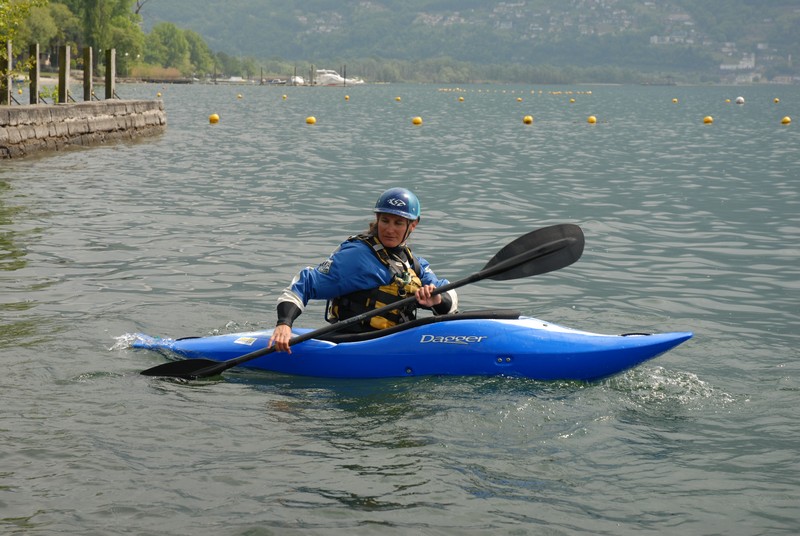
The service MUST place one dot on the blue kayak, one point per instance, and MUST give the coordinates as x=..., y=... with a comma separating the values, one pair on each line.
x=482, y=343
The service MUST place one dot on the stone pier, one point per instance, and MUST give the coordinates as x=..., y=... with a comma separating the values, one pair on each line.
x=26, y=130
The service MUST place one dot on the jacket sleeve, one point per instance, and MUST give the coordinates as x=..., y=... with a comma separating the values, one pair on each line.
x=288, y=311
x=449, y=299
x=350, y=268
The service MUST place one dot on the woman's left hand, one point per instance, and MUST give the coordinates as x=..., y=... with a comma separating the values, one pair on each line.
x=424, y=297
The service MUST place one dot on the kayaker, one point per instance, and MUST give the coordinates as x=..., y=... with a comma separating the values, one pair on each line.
x=366, y=272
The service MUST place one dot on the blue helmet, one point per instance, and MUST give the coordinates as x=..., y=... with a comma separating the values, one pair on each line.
x=400, y=202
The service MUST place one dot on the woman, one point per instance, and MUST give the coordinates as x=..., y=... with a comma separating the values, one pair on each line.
x=366, y=272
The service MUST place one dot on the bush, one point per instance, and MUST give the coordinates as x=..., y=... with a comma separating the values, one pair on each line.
x=155, y=72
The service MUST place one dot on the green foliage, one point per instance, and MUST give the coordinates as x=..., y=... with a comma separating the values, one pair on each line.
x=200, y=56
x=103, y=24
x=128, y=40
x=68, y=24
x=40, y=27
x=12, y=15
x=166, y=45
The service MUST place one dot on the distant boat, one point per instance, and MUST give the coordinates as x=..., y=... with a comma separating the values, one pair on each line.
x=233, y=80
x=328, y=77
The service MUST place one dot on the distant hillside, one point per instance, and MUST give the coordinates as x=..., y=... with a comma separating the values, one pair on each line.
x=754, y=36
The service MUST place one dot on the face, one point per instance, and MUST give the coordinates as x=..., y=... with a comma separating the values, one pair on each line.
x=394, y=230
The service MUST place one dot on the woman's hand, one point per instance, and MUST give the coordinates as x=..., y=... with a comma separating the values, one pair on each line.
x=424, y=297
x=280, y=337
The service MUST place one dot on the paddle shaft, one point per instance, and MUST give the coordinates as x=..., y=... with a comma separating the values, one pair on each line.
x=498, y=268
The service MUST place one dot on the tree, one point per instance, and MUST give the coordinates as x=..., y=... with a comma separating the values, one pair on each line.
x=250, y=67
x=200, y=56
x=229, y=65
x=102, y=21
x=68, y=24
x=97, y=24
x=128, y=39
x=12, y=15
x=139, y=5
x=38, y=27
x=104, y=24
x=166, y=45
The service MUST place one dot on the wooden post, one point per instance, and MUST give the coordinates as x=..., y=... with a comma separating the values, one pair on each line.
x=111, y=72
x=63, y=74
x=33, y=74
x=5, y=73
x=88, y=74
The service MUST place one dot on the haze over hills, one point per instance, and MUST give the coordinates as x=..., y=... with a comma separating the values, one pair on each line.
x=725, y=39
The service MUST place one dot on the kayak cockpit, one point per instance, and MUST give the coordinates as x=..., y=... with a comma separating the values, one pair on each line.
x=484, y=314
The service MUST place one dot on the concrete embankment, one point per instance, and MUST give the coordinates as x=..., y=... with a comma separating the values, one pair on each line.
x=26, y=130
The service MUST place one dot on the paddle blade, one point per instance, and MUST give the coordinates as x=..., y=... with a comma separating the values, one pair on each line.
x=568, y=240
x=188, y=369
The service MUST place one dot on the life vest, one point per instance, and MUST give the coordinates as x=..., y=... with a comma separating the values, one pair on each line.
x=405, y=282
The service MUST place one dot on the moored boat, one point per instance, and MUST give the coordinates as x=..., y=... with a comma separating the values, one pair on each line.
x=329, y=77
x=481, y=343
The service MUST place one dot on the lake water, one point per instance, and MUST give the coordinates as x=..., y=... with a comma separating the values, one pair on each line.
x=689, y=226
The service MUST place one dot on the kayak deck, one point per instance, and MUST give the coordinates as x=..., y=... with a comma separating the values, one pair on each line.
x=485, y=343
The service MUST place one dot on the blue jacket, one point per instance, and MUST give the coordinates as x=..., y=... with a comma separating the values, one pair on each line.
x=353, y=266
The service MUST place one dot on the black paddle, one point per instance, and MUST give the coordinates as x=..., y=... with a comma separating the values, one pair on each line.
x=537, y=252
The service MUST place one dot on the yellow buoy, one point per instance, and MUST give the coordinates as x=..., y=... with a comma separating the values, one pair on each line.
x=311, y=120
x=213, y=119
x=347, y=97
x=591, y=120
x=397, y=99
x=519, y=99
x=708, y=120
x=776, y=100
x=19, y=92
x=284, y=97
x=528, y=119
x=786, y=120
x=239, y=96
x=417, y=120
x=158, y=94
x=572, y=100
x=461, y=99
x=675, y=101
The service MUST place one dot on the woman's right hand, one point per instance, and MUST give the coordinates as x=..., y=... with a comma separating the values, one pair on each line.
x=280, y=337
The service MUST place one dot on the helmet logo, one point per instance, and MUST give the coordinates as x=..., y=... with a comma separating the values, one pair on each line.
x=395, y=202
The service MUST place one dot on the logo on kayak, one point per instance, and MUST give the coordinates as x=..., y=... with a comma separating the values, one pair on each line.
x=452, y=339
x=248, y=341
